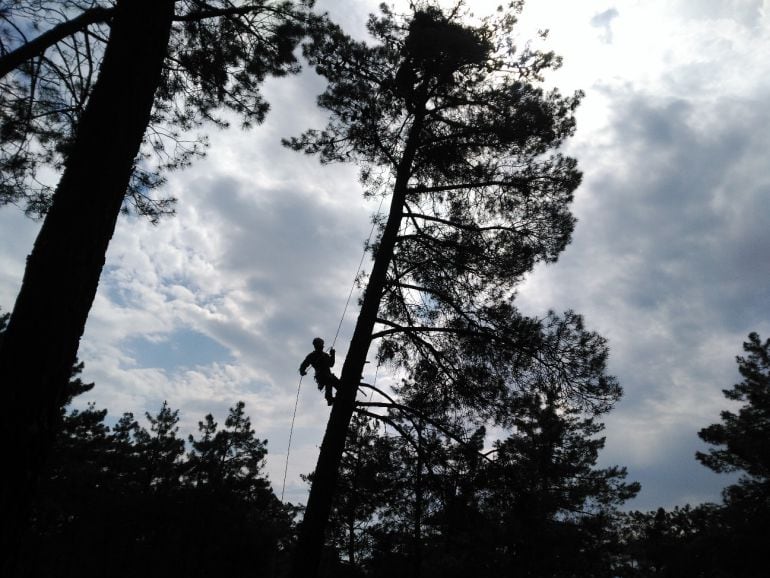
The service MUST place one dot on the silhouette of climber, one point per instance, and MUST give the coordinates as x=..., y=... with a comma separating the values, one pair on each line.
x=322, y=364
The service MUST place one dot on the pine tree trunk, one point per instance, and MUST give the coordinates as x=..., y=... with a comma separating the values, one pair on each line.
x=418, y=507
x=311, y=534
x=63, y=270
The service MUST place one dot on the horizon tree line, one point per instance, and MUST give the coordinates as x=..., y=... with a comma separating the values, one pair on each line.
x=414, y=500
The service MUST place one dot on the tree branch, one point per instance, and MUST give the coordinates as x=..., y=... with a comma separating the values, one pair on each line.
x=458, y=186
x=39, y=45
x=395, y=328
x=390, y=422
x=425, y=418
x=217, y=12
x=444, y=297
x=458, y=225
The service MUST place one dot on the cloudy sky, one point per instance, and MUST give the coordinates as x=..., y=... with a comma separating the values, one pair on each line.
x=669, y=259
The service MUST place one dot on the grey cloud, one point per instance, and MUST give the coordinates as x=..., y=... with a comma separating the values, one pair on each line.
x=746, y=12
x=669, y=261
x=292, y=255
x=17, y=234
x=688, y=208
x=674, y=481
x=603, y=21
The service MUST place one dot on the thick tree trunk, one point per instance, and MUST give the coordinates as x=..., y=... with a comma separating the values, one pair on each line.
x=63, y=269
x=311, y=535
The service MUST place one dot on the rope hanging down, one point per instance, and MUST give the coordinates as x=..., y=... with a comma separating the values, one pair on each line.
x=291, y=432
x=342, y=318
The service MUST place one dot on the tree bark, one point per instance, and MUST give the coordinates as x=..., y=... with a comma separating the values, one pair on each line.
x=63, y=270
x=311, y=534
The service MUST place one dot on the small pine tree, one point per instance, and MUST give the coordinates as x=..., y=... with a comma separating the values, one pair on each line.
x=743, y=438
x=742, y=441
x=555, y=508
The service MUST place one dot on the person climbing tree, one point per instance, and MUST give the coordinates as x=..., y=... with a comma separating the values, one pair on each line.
x=322, y=363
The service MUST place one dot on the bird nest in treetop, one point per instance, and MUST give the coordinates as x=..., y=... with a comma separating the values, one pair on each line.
x=435, y=49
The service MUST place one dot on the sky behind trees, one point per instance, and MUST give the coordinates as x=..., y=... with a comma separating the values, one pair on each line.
x=221, y=302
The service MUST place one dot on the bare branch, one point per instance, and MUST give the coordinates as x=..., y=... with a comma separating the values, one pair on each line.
x=39, y=45
x=219, y=12
x=390, y=422
x=422, y=416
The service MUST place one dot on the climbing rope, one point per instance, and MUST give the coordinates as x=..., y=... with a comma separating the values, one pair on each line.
x=291, y=432
x=342, y=318
x=358, y=270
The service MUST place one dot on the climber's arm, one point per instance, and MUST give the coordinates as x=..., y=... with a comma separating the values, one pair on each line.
x=304, y=365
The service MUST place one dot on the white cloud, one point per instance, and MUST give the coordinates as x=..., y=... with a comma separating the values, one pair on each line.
x=669, y=259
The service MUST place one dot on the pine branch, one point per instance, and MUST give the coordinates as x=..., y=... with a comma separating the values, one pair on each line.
x=39, y=45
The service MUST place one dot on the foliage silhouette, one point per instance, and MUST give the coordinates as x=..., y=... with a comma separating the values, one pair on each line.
x=131, y=499
x=81, y=104
x=422, y=504
x=219, y=52
x=743, y=439
x=448, y=118
x=718, y=540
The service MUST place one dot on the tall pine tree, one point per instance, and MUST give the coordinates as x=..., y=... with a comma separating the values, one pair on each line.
x=448, y=119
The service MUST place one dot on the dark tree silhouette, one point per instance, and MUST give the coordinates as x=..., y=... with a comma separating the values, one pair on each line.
x=447, y=118
x=431, y=523
x=743, y=438
x=165, y=64
x=554, y=509
x=686, y=542
x=742, y=443
x=63, y=270
x=218, y=54
x=719, y=540
x=535, y=505
x=365, y=472
x=232, y=457
x=128, y=498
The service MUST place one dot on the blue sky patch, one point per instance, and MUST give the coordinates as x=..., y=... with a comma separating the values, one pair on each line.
x=182, y=348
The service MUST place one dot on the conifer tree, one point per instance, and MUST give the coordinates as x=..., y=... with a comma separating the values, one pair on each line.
x=726, y=539
x=365, y=473
x=535, y=505
x=161, y=449
x=231, y=458
x=554, y=509
x=125, y=497
x=742, y=444
x=79, y=99
x=742, y=440
x=447, y=117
